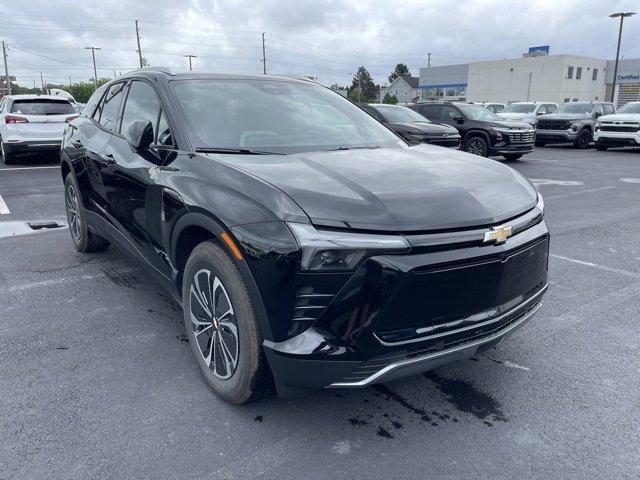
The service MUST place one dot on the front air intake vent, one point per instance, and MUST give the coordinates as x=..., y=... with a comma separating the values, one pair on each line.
x=307, y=307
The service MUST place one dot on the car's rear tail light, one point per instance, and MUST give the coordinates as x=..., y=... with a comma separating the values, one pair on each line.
x=14, y=119
x=72, y=117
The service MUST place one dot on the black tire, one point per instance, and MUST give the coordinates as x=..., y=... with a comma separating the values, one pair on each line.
x=83, y=239
x=584, y=139
x=601, y=148
x=476, y=145
x=7, y=158
x=249, y=378
x=540, y=144
x=512, y=156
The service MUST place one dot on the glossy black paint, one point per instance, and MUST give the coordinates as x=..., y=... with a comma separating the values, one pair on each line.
x=158, y=203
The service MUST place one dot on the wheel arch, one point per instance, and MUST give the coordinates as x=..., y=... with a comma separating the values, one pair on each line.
x=476, y=133
x=194, y=228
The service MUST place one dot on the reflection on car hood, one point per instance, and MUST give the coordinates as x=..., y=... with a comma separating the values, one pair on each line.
x=510, y=124
x=620, y=117
x=514, y=115
x=423, y=127
x=564, y=116
x=395, y=189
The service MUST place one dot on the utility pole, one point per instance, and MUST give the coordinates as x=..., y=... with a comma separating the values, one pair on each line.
x=615, y=68
x=190, y=57
x=70, y=82
x=138, y=39
x=7, y=79
x=95, y=72
x=44, y=92
x=429, y=59
x=264, y=57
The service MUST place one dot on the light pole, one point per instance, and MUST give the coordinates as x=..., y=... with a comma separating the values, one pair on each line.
x=615, y=68
x=190, y=57
x=95, y=73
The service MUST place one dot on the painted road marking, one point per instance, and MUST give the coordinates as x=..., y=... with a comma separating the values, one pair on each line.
x=598, y=266
x=599, y=189
x=546, y=181
x=4, y=210
x=630, y=180
x=17, y=169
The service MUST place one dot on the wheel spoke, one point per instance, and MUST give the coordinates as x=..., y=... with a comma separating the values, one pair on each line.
x=200, y=332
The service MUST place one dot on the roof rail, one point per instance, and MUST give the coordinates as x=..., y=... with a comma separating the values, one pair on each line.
x=166, y=70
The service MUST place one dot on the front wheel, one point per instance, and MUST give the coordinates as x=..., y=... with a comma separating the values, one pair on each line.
x=583, y=140
x=476, y=146
x=512, y=156
x=83, y=239
x=221, y=326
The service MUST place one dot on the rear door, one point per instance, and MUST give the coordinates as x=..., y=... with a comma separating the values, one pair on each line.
x=38, y=119
x=432, y=112
x=134, y=195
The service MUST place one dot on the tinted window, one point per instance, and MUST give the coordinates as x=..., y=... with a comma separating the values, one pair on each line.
x=111, y=105
x=399, y=114
x=551, y=108
x=580, y=108
x=476, y=112
x=42, y=107
x=520, y=108
x=599, y=110
x=432, y=112
x=164, y=133
x=93, y=102
x=142, y=104
x=449, y=113
x=270, y=115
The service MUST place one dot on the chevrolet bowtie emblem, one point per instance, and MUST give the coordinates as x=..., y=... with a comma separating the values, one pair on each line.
x=497, y=234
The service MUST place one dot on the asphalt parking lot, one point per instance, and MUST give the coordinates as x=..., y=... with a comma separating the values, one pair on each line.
x=97, y=380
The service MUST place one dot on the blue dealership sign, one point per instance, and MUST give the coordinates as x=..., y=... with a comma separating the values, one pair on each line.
x=542, y=48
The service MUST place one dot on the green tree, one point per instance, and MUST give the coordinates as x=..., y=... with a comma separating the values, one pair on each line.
x=401, y=69
x=363, y=89
x=81, y=91
x=388, y=98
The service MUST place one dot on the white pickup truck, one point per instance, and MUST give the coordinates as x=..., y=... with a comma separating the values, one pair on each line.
x=32, y=123
x=621, y=129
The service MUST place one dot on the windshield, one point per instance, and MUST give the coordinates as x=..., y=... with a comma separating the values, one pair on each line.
x=399, y=114
x=477, y=112
x=580, y=108
x=630, y=108
x=42, y=107
x=274, y=116
x=520, y=108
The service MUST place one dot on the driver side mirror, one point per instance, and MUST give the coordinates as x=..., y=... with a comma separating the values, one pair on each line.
x=540, y=112
x=140, y=134
x=458, y=118
x=597, y=114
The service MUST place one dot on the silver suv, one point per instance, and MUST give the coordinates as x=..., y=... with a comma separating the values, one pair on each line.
x=32, y=123
x=527, y=111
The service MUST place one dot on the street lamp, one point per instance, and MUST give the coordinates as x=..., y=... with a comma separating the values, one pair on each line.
x=615, y=68
x=95, y=73
x=190, y=57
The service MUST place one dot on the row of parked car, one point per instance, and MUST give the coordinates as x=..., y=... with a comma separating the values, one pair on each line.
x=513, y=132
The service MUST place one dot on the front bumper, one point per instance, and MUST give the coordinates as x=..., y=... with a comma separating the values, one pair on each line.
x=399, y=315
x=500, y=149
x=556, y=136
x=617, y=139
x=31, y=146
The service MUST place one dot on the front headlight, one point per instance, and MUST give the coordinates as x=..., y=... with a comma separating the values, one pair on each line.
x=574, y=124
x=540, y=204
x=598, y=125
x=336, y=250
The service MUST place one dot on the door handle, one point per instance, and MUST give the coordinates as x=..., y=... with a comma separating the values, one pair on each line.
x=77, y=144
x=107, y=159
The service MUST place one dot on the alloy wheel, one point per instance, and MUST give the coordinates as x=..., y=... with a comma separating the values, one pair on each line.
x=214, y=324
x=73, y=212
x=475, y=147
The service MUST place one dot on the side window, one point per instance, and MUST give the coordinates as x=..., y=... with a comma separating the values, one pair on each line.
x=551, y=108
x=142, y=104
x=93, y=102
x=608, y=109
x=542, y=109
x=110, y=106
x=599, y=110
x=432, y=112
x=164, y=136
x=2, y=104
x=449, y=113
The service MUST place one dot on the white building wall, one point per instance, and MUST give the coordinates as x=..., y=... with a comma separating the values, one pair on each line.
x=543, y=78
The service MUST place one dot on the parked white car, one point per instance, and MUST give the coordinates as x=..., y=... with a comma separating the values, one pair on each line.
x=494, y=107
x=32, y=123
x=620, y=129
x=527, y=112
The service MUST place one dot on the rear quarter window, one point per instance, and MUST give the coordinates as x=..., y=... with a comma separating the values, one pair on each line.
x=42, y=107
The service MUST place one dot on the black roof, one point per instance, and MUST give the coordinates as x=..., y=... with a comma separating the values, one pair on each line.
x=413, y=82
x=163, y=72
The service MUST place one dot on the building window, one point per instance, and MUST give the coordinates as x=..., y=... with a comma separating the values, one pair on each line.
x=578, y=73
x=570, y=72
x=594, y=74
x=566, y=100
x=575, y=99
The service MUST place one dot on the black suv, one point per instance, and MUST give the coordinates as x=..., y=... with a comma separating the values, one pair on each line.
x=483, y=132
x=306, y=242
x=572, y=122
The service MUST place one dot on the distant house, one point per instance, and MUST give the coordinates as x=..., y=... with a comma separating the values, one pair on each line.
x=405, y=88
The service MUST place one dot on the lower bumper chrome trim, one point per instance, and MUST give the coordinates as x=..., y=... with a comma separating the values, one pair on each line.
x=432, y=360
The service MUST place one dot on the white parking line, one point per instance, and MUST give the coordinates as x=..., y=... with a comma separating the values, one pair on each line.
x=598, y=266
x=17, y=169
x=55, y=281
x=4, y=210
x=579, y=192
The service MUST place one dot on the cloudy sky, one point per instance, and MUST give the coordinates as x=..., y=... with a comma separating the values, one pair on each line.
x=327, y=39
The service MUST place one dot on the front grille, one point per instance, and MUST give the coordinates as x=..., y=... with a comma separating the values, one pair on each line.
x=630, y=127
x=521, y=137
x=553, y=124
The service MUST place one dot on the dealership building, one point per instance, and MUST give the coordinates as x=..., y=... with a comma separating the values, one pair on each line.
x=534, y=77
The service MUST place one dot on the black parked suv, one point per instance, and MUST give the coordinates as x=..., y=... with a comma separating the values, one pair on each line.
x=306, y=242
x=411, y=126
x=572, y=122
x=483, y=132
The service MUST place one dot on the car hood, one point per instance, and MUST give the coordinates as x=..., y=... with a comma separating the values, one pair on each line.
x=514, y=115
x=423, y=127
x=564, y=116
x=510, y=124
x=620, y=117
x=417, y=188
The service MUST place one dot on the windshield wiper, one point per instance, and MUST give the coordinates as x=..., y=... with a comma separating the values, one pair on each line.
x=236, y=151
x=352, y=148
